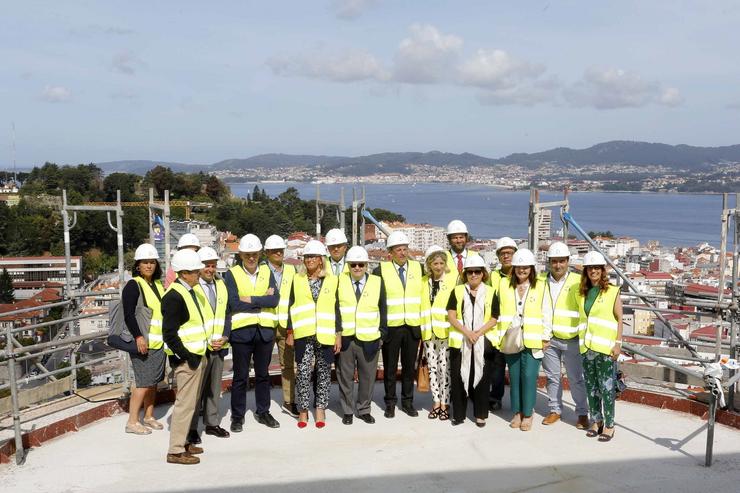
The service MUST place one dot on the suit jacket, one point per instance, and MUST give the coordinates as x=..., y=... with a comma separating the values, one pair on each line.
x=247, y=334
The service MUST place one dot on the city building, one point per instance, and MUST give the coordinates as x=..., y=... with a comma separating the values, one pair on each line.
x=30, y=274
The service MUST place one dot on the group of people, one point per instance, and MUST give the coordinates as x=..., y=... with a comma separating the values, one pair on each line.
x=469, y=323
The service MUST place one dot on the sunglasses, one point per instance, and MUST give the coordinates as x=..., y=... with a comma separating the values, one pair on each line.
x=477, y=272
x=355, y=266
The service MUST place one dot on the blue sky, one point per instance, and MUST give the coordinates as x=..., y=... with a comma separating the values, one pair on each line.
x=199, y=82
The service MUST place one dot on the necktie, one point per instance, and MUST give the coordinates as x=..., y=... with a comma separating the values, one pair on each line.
x=211, y=296
x=358, y=292
x=336, y=269
x=459, y=263
x=400, y=274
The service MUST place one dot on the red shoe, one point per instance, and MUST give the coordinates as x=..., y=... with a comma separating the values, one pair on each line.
x=320, y=424
x=303, y=424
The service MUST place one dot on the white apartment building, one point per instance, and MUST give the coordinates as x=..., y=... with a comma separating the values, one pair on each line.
x=421, y=236
x=30, y=274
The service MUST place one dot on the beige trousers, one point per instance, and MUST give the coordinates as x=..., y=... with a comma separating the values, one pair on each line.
x=286, y=354
x=188, y=384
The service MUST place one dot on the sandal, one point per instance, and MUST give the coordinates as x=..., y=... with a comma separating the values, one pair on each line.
x=444, y=415
x=434, y=413
x=137, y=429
x=603, y=437
x=595, y=430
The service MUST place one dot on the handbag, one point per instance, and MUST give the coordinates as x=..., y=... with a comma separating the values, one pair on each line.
x=513, y=341
x=119, y=336
x=422, y=371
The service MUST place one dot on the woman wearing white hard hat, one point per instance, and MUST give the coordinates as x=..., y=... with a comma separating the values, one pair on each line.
x=601, y=342
x=524, y=328
x=436, y=287
x=145, y=289
x=312, y=329
x=472, y=335
x=253, y=297
x=362, y=306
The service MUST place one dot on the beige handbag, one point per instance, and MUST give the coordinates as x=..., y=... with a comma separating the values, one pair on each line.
x=513, y=341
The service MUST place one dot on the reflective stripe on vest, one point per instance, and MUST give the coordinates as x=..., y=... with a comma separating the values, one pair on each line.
x=286, y=282
x=265, y=317
x=215, y=321
x=309, y=318
x=404, y=304
x=155, y=340
x=434, y=315
x=598, y=330
x=193, y=332
x=532, y=324
x=565, y=314
x=456, y=337
x=361, y=319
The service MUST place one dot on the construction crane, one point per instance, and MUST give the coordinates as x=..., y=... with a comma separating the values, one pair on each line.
x=187, y=204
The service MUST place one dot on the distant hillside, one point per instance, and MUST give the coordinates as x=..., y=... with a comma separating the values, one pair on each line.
x=140, y=167
x=627, y=152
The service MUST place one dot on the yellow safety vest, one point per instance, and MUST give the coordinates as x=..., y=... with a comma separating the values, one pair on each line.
x=457, y=337
x=215, y=321
x=565, y=314
x=285, y=284
x=361, y=319
x=314, y=318
x=434, y=315
x=598, y=329
x=533, y=328
x=266, y=317
x=494, y=279
x=193, y=332
x=452, y=265
x=152, y=301
x=404, y=304
x=330, y=272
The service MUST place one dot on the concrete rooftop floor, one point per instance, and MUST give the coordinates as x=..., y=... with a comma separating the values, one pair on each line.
x=653, y=450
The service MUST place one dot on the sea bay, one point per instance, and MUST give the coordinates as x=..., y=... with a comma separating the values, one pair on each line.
x=672, y=219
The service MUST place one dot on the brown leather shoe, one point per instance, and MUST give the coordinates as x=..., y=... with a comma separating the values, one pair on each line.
x=582, y=422
x=192, y=449
x=551, y=418
x=183, y=458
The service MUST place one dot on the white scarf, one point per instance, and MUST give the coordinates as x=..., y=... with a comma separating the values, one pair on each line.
x=473, y=313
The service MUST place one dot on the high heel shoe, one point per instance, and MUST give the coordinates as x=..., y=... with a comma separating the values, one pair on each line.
x=591, y=433
x=320, y=423
x=302, y=419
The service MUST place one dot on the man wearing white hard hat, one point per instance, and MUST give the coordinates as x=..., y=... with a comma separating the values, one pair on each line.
x=188, y=241
x=214, y=299
x=458, y=237
x=505, y=249
x=253, y=296
x=402, y=281
x=186, y=339
x=283, y=273
x=561, y=293
x=362, y=306
x=336, y=242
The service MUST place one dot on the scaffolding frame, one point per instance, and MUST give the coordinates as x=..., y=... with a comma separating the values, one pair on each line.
x=320, y=210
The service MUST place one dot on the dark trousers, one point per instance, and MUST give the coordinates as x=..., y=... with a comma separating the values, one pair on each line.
x=350, y=359
x=496, y=363
x=479, y=394
x=243, y=353
x=210, y=392
x=400, y=341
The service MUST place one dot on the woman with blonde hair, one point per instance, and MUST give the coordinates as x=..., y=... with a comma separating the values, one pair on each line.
x=436, y=287
x=600, y=341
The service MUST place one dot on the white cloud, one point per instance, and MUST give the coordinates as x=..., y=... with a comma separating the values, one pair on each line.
x=496, y=69
x=427, y=56
x=349, y=66
x=616, y=88
x=351, y=9
x=56, y=94
x=527, y=93
x=127, y=63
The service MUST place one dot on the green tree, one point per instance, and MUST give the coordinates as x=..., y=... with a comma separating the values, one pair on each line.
x=386, y=215
x=125, y=182
x=7, y=294
x=161, y=178
x=603, y=234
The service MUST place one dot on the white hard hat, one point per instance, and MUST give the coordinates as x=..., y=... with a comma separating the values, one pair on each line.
x=357, y=254
x=456, y=226
x=275, y=242
x=250, y=243
x=593, y=258
x=146, y=251
x=207, y=253
x=522, y=258
x=432, y=249
x=558, y=250
x=188, y=239
x=186, y=260
x=504, y=242
x=396, y=238
x=314, y=247
x=475, y=262
x=335, y=237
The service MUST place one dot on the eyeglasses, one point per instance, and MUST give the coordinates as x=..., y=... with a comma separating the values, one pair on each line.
x=477, y=272
x=311, y=257
x=275, y=252
x=332, y=247
x=595, y=267
x=355, y=266
x=190, y=271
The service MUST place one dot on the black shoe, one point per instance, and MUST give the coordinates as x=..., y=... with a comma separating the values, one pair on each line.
x=290, y=409
x=347, y=419
x=217, y=431
x=456, y=422
x=193, y=437
x=410, y=410
x=367, y=418
x=494, y=405
x=480, y=424
x=267, y=420
x=390, y=411
x=236, y=425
